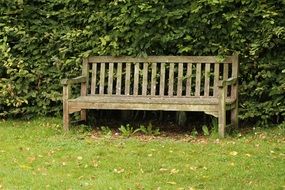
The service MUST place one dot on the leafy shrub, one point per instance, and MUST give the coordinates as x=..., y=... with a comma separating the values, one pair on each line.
x=43, y=41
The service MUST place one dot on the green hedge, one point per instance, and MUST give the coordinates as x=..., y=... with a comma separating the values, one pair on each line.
x=43, y=41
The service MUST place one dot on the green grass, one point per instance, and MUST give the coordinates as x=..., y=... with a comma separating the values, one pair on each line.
x=39, y=155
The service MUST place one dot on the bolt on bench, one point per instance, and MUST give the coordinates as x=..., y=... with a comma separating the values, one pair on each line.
x=167, y=83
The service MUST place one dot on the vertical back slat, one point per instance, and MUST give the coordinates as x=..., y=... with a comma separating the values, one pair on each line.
x=226, y=74
x=207, y=80
x=119, y=79
x=235, y=75
x=180, y=79
x=94, y=78
x=102, y=78
x=171, y=79
x=136, y=78
x=85, y=72
x=198, y=80
x=153, y=79
x=162, y=79
x=128, y=78
x=189, y=79
x=144, y=84
x=216, y=78
x=110, y=78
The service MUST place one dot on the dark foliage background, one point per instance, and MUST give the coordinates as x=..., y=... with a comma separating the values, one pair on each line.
x=43, y=41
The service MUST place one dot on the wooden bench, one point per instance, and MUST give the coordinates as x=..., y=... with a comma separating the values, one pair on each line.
x=168, y=83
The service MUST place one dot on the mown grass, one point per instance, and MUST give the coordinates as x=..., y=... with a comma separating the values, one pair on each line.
x=39, y=155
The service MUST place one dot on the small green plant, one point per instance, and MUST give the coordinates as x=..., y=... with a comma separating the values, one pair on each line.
x=214, y=127
x=149, y=130
x=206, y=131
x=106, y=131
x=127, y=130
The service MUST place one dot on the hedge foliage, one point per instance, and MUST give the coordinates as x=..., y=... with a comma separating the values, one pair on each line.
x=43, y=41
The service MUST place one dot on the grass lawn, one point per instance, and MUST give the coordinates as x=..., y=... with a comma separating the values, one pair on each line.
x=39, y=155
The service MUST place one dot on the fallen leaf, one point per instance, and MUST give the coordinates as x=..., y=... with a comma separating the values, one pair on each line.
x=171, y=182
x=79, y=158
x=163, y=169
x=248, y=155
x=149, y=155
x=119, y=170
x=233, y=153
x=174, y=171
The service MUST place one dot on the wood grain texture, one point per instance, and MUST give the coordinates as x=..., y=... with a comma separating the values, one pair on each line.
x=94, y=79
x=162, y=79
x=128, y=78
x=171, y=79
x=110, y=78
x=189, y=79
x=198, y=80
x=102, y=78
x=119, y=79
x=153, y=79
x=180, y=79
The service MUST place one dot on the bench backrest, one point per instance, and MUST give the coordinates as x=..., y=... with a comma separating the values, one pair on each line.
x=160, y=76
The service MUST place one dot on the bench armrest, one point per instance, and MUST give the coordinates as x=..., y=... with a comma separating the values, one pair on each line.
x=229, y=81
x=76, y=80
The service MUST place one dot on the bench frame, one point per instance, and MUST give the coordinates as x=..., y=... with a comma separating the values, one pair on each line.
x=153, y=95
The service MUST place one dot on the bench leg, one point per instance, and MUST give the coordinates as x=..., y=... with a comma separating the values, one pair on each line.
x=222, y=123
x=222, y=112
x=83, y=115
x=234, y=117
x=66, y=119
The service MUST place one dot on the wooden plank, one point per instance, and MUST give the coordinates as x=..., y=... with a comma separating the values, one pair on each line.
x=94, y=78
x=226, y=75
x=85, y=73
x=180, y=79
x=189, y=79
x=216, y=79
x=153, y=79
x=110, y=78
x=207, y=80
x=119, y=79
x=162, y=79
x=145, y=76
x=198, y=80
x=171, y=79
x=127, y=79
x=136, y=78
x=161, y=59
x=234, y=95
x=102, y=78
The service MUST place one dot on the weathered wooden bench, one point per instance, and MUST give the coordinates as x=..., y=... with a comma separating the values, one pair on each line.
x=167, y=83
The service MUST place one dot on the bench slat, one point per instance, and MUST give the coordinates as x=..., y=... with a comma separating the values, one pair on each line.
x=198, y=79
x=145, y=76
x=160, y=59
x=189, y=79
x=136, y=78
x=110, y=78
x=180, y=79
x=93, y=79
x=171, y=79
x=162, y=79
x=153, y=79
x=119, y=79
x=102, y=78
x=128, y=78
x=85, y=72
x=226, y=74
x=207, y=80
x=216, y=79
